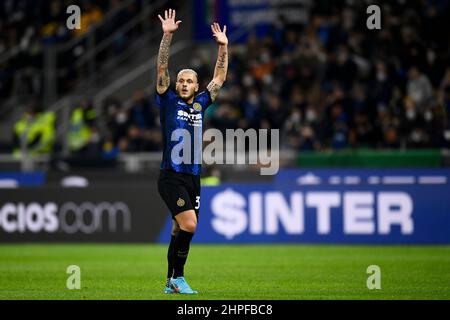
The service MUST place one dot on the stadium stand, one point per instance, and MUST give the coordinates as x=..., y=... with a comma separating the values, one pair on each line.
x=330, y=84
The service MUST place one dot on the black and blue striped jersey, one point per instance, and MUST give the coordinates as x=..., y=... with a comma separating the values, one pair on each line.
x=180, y=120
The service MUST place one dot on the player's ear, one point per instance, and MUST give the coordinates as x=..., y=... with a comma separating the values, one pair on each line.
x=196, y=87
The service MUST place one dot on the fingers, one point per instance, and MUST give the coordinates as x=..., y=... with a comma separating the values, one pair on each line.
x=178, y=22
x=171, y=14
x=168, y=14
x=215, y=28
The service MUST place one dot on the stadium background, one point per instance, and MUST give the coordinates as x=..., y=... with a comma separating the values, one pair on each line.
x=364, y=127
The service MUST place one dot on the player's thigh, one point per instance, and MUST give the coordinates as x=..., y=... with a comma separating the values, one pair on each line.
x=174, y=192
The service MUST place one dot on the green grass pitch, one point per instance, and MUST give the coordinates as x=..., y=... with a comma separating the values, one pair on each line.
x=137, y=271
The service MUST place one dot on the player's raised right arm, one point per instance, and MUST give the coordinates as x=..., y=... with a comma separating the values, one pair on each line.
x=169, y=26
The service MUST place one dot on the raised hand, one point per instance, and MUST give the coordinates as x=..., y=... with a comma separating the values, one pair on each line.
x=221, y=37
x=168, y=23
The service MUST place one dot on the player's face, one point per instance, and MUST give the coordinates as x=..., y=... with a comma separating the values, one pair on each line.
x=187, y=85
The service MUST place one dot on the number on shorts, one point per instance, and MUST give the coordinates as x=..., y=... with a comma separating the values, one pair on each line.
x=197, y=202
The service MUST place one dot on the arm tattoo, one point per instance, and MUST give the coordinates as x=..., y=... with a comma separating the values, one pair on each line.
x=163, y=56
x=220, y=71
x=213, y=89
x=221, y=60
x=163, y=61
x=164, y=80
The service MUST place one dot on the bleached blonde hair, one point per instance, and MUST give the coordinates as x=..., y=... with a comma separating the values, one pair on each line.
x=188, y=70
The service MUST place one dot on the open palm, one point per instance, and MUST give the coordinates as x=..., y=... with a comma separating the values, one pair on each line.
x=168, y=23
x=221, y=37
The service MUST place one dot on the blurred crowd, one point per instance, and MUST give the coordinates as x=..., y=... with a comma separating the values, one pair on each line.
x=22, y=43
x=330, y=84
x=334, y=84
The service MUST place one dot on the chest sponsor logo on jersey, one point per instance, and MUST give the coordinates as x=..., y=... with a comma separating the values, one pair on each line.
x=193, y=119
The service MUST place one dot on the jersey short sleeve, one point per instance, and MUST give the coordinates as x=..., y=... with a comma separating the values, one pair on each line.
x=161, y=99
x=204, y=98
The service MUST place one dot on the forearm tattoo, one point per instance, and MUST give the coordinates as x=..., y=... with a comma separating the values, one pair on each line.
x=163, y=61
x=221, y=60
x=221, y=64
x=163, y=55
x=213, y=89
x=220, y=73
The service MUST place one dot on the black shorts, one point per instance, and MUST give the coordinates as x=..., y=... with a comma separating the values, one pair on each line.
x=180, y=191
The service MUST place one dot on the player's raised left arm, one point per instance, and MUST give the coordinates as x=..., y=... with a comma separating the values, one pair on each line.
x=220, y=71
